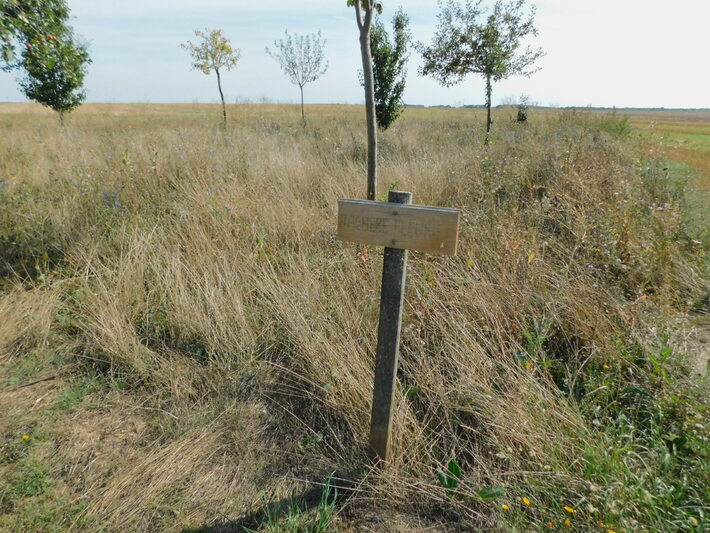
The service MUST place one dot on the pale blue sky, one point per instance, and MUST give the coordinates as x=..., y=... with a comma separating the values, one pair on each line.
x=645, y=53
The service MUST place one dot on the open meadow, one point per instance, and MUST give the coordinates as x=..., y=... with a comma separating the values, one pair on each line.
x=185, y=346
x=684, y=137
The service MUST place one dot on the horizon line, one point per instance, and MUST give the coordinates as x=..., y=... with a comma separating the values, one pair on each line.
x=434, y=106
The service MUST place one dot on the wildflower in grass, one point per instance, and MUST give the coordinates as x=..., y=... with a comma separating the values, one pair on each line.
x=569, y=510
x=550, y=525
x=610, y=531
x=568, y=522
x=505, y=507
x=526, y=501
x=606, y=367
x=25, y=437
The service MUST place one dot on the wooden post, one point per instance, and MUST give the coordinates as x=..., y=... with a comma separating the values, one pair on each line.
x=388, y=334
x=398, y=226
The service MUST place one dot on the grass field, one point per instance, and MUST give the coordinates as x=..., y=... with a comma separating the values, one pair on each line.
x=684, y=137
x=185, y=346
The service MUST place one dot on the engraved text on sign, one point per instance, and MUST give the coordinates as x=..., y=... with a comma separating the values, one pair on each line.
x=410, y=227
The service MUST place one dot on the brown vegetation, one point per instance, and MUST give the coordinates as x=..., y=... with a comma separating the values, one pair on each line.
x=186, y=284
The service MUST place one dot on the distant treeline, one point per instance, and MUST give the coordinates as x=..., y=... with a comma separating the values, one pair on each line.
x=591, y=108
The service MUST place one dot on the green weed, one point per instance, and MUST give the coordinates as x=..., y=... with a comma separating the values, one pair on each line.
x=449, y=478
x=615, y=124
x=32, y=480
x=297, y=518
x=77, y=391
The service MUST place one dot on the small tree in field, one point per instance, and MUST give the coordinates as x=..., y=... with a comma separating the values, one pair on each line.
x=389, y=61
x=301, y=58
x=213, y=52
x=55, y=67
x=54, y=63
x=23, y=19
x=364, y=11
x=523, y=109
x=465, y=45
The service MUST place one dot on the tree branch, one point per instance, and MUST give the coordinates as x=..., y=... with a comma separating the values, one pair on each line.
x=368, y=15
x=358, y=15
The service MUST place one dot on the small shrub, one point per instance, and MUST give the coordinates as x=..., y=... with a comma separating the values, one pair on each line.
x=522, y=115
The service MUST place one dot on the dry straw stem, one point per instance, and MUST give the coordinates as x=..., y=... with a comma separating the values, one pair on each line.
x=198, y=269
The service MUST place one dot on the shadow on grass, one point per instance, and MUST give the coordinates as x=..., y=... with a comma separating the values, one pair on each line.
x=331, y=495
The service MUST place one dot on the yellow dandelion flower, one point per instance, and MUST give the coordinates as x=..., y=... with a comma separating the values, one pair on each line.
x=25, y=437
x=569, y=510
x=606, y=367
x=550, y=525
x=610, y=531
x=505, y=507
x=526, y=501
x=568, y=522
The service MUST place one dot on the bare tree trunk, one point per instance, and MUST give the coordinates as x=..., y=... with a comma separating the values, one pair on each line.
x=489, y=90
x=366, y=53
x=221, y=95
x=303, y=112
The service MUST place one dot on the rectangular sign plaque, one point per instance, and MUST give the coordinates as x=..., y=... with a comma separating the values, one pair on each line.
x=404, y=226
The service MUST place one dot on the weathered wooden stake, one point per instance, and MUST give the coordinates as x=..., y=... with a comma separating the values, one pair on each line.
x=398, y=228
x=388, y=334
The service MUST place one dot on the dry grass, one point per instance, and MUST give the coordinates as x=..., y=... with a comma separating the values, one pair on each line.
x=195, y=275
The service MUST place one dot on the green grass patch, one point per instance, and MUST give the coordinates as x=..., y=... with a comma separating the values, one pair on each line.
x=46, y=513
x=295, y=515
x=78, y=389
x=699, y=141
x=30, y=366
x=646, y=460
x=31, y=481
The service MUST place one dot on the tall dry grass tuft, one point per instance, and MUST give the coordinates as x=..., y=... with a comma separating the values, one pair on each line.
x=199, y=270
x=26, y=319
